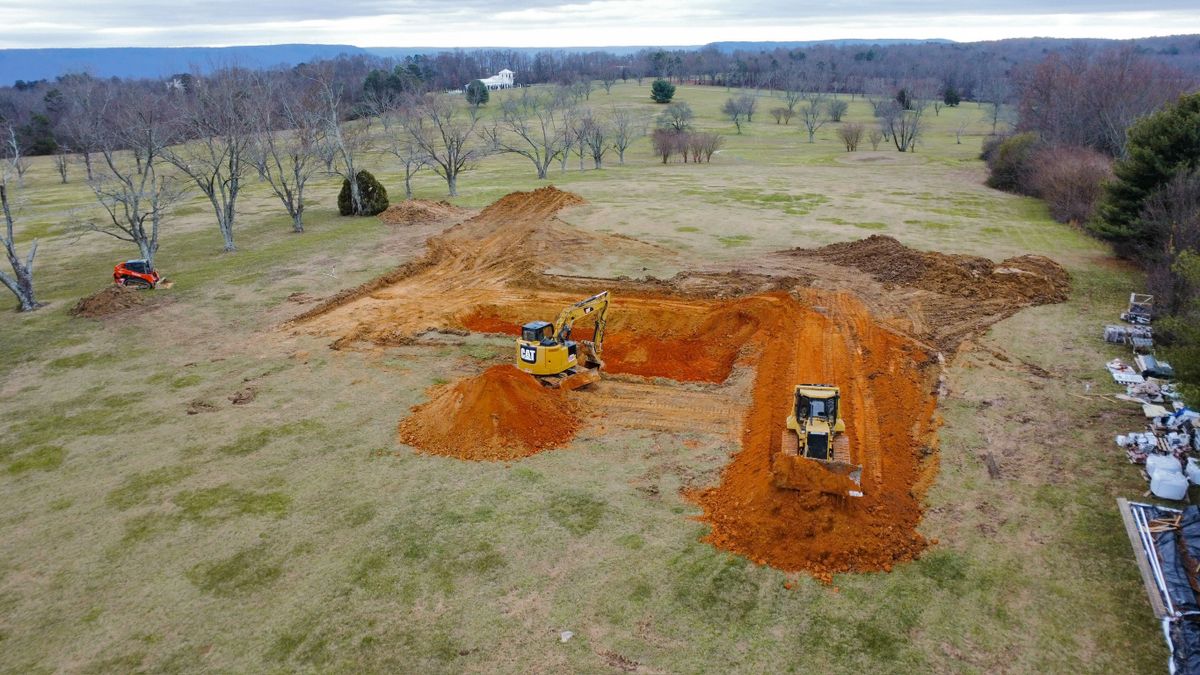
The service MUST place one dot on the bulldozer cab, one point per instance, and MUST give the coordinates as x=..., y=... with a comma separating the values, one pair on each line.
x=811, y=407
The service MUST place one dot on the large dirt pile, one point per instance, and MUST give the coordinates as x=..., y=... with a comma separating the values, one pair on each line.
x=1027, y=279
x=502, y=414
x=112, y=300
x=420, y=212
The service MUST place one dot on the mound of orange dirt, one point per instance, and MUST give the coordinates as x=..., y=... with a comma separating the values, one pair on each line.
x=502, y=414
x=1025, y=279
x=420, y=212
x=112, y=300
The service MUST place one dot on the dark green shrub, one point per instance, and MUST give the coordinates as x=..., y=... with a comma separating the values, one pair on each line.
x=1008, y=161
x=374, y=196
x=662, y=91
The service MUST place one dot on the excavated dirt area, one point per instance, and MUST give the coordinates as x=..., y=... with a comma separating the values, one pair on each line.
x=502, y=414
x=420, y=212
x=709, y=351
x=111, y=300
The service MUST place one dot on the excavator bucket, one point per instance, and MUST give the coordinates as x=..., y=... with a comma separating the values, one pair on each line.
x=580, y=378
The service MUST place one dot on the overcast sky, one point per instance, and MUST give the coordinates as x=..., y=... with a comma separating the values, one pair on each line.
x=544, y=23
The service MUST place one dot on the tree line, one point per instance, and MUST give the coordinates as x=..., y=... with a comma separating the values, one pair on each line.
x=1110, y=139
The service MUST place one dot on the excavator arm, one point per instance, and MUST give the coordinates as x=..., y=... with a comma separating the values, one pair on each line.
x=597, y=305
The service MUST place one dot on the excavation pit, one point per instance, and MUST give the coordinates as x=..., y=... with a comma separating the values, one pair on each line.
x=874, y=329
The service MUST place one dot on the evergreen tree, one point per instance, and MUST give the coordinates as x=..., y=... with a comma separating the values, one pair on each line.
x=477, y=93
x=1160, y=146
x=662, y=91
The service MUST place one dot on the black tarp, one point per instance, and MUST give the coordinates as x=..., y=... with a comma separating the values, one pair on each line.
x=1185, y=640
x=1173, y=565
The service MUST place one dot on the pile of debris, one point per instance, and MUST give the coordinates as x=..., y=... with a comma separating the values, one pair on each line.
x=1170, y=441
x=1166, y=544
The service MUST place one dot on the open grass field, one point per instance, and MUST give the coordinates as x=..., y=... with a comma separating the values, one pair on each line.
x=294, y=532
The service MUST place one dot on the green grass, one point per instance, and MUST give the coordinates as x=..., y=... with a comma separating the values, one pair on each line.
x=271, y=539
x=137, y=488
x=45, y=458
x=223, y=502
x=244, y=572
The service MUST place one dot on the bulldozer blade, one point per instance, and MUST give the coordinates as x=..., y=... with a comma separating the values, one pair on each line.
x=791, y=471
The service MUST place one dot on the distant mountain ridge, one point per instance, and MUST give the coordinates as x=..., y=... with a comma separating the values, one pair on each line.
x=156, y=62
x=153, y=62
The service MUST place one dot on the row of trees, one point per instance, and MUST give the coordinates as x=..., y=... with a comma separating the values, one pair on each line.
x=145, y=149
x=32, y=114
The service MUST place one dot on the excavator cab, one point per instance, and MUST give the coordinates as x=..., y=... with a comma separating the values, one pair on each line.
x=546, y=350
x=538, y=331
x=814, y=451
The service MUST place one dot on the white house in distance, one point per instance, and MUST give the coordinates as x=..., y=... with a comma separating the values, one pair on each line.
x=501, y=80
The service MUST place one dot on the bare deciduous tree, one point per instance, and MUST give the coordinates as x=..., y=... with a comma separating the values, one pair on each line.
x=62, y=162
x=607, y=80
x=20, y=282
x=677, y=117
x=534, y=126
x=875, y=138
x=665, y=142
x=288, y=136
x=626, y=128
x=400, y=143
x=812, y=114
x=217, y=116
x=14, y=152
x=961, y=129
x=733, y=111
x=448, y=140
x=134, y=199
x=344, y=141
x=904, y=127
x=710, y=143
x=837, y=108
x=594, y=135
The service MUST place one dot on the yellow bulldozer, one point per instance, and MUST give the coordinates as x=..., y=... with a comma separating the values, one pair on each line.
x=815, y=452
x=546, y=350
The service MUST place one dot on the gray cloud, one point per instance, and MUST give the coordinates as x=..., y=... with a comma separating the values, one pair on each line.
x=30, y=23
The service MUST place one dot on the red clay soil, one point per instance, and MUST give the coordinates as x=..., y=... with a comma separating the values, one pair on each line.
x=502, y=414
x=650, y=336
x=888, y=404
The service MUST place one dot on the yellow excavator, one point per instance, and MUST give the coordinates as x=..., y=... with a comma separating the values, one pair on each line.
x=546, y=350
x=815, y=452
